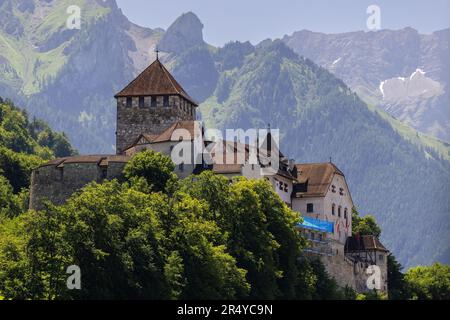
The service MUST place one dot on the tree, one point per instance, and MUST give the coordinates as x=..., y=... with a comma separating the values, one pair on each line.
x=429, y=283
x=17, y=167
x=155, y=167
x=260, y=230
x=10, y=204
x=366, y=225
x=200, y=255
x=116, y=236
x=58, y=142
x=397, y=285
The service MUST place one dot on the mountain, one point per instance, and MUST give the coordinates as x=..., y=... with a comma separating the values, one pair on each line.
x=401, y=71
x=405, y=185
x=69, y=77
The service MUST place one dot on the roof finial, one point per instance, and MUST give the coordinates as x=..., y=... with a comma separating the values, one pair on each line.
x=268, y=126
x=157, y=53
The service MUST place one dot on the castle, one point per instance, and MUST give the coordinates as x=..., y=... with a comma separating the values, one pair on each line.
x=153, y=107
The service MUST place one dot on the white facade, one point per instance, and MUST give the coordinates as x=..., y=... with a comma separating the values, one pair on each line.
x=321, y=207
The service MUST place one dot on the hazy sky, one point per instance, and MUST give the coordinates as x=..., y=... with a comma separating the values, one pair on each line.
x=256, y=20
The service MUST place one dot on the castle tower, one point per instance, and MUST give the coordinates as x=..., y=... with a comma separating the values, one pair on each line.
x=150, y=104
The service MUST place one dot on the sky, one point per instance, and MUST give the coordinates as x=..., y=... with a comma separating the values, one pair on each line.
x=256, y=20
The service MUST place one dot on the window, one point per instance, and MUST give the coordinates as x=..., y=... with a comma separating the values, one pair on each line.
x=341, y=191
x=333, y=209
x=310, y=207
x=381, y=257
x=181, y=167
x=333, y=189
x=286, y=187
x=345, y=213
x=339, y=211
x=153, y=103
x=166, y=101
x=141, y=102
x=129, y=102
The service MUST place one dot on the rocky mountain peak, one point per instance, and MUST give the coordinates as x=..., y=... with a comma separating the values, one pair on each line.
x=184, y=33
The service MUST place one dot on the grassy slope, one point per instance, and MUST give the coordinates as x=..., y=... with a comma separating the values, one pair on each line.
x=412, y=135
x=34, y=67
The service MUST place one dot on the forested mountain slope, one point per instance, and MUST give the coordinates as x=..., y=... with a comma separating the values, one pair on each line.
x=405, y=185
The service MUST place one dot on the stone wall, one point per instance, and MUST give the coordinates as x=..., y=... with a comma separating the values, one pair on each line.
x=56, y=182
x=133, y=121
x=350, y=273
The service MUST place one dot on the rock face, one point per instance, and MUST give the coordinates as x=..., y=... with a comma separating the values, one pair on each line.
x=364, y=60
x=186, y=32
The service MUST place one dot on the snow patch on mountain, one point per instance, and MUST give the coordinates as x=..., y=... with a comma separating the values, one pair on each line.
x=417, y=85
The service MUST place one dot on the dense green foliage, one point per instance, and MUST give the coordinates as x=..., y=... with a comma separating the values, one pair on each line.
x=429, y=283
x=24, y=144
x=202, y=238
x=366, y=225
x=155, y=168
x=397, y=285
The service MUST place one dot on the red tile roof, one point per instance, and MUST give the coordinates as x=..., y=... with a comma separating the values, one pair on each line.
x=316, y=177
x=166, y=135
x=155, y=80
x=102, y=160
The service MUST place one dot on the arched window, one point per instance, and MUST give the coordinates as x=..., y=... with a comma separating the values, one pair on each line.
x=339, y=211
x=345, y=214
x=333, y=209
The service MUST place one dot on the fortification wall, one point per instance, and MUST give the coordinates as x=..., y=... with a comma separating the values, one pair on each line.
x=353, y=274
x=348, y=271
x=58, y=180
